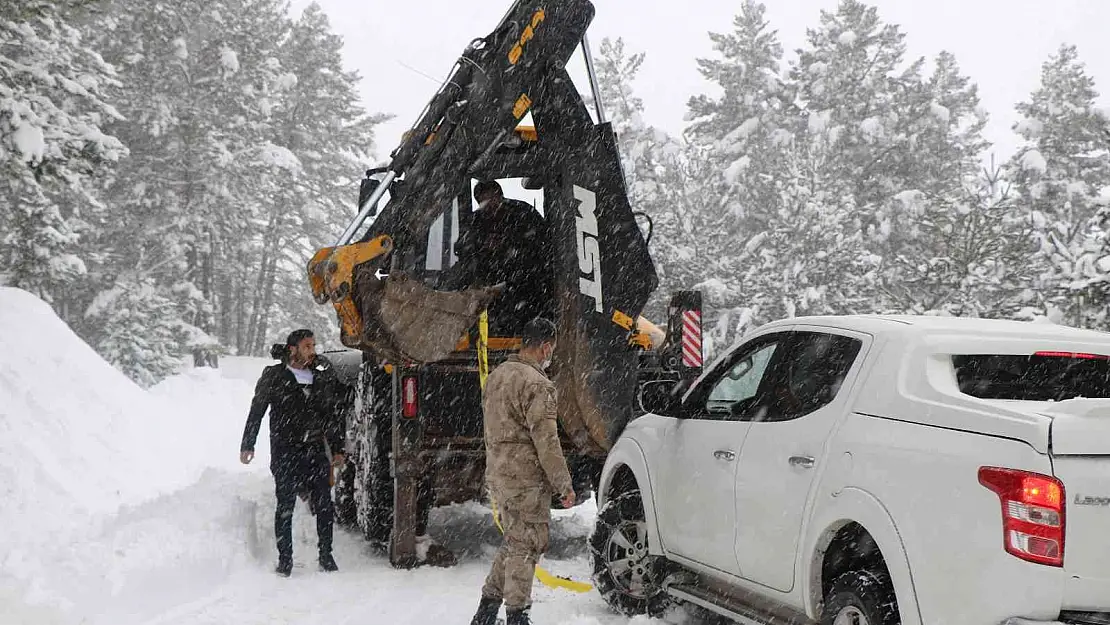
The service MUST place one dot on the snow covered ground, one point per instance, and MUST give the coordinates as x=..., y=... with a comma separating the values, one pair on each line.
x=127, y=506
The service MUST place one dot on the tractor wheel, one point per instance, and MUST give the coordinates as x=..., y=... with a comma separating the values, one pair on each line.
x=372, y=482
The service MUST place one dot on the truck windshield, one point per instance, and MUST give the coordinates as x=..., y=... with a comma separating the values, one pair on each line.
x=1044, y=376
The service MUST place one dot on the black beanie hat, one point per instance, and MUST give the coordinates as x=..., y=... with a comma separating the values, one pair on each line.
x=486, y=186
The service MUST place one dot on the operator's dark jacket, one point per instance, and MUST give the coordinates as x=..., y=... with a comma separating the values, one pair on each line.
x=295, y=419
x=514, y=246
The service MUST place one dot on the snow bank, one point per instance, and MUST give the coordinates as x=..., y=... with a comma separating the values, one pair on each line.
x=78, y=439
x=81, y=445
x=76, y=436
x=163, y=554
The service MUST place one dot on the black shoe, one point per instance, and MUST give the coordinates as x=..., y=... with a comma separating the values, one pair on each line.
x=487, y=612
x=518, y=616
x=328, y=564
x=284, y=566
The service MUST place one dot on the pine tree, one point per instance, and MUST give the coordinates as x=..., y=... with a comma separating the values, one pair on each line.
x=939, y=192
x=656, y=173
x=305, y=211
x=247, y=144
x=198, y=80
x=849, y=82
x=52, y=143
x=139, y=330
x=973, y=258
x=1060, y=174
x=810, y=258
x=906, y=145
x=738, y=150
x=740, y=133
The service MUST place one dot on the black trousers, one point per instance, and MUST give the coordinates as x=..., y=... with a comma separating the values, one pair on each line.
x=300, y=469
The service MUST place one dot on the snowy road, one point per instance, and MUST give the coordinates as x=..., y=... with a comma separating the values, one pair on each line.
x=204, y=555
x=368, y=590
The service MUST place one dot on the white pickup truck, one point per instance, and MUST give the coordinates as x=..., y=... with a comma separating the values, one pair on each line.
x=870, y=469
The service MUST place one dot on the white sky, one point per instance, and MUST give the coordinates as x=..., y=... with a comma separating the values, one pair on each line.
x=1001, y=44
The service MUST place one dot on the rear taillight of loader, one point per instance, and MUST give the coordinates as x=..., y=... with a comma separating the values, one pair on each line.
x=410, y=398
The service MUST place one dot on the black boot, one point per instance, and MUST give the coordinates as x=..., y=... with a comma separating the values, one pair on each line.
x=487, y=612
x=327, y=563
x=518, y=616
x=284, y=566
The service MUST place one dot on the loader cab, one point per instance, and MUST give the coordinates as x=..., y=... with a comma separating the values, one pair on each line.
x=468, y=246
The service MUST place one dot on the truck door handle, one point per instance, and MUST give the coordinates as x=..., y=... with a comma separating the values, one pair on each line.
x=724, y=454
x=805, y=462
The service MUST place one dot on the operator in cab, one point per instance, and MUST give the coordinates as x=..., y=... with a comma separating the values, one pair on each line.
x=510, y=242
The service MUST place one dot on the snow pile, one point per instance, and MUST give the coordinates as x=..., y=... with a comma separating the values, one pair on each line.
x=216, y=400
x=76, y=436
x=78, y=439
x=163, y=554
x=82, y=447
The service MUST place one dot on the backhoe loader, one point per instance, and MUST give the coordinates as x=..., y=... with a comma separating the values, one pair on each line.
x=410, y=313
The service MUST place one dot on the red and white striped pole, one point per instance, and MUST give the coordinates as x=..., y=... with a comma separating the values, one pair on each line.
x=691, y=338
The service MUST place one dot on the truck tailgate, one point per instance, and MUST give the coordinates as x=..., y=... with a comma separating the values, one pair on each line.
x=1080, y=447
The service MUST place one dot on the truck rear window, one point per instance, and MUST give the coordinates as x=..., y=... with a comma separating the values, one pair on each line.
x=1045, y=376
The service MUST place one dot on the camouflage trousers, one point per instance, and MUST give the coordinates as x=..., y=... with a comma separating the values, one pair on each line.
x=525, y=516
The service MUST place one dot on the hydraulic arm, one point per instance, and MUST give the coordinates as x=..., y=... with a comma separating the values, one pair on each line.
x=493, y=85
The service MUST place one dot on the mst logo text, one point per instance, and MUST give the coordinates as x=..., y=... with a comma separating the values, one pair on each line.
x=589, y=252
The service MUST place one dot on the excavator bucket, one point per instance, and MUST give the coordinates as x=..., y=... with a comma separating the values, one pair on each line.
x=404, y=320
x=400, y=318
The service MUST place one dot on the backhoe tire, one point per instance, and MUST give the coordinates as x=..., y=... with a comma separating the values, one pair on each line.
x=623, y=572
x=373, y=443
x=346, y=510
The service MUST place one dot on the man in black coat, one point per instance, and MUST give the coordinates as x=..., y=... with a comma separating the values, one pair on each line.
x=307, y=431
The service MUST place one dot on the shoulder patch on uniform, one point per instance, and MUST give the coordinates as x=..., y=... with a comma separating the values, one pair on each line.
x=549, y=397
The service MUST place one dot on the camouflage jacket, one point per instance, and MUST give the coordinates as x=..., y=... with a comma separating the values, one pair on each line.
x=522, y=440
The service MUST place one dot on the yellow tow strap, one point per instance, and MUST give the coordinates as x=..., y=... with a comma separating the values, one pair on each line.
x=547, y=579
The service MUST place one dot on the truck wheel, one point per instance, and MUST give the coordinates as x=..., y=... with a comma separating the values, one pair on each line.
x=626, y=575
x=375, y=485
x=373, y=482
x=861, y=598
x=346, y=511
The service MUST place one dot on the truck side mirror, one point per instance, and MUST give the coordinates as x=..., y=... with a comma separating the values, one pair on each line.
x=663, y=397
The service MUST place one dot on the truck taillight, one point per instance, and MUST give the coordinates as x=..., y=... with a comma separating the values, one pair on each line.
x=1032, y=513
x=410, y=403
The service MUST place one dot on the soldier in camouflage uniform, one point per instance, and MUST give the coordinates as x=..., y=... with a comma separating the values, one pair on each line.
x=525, y=466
